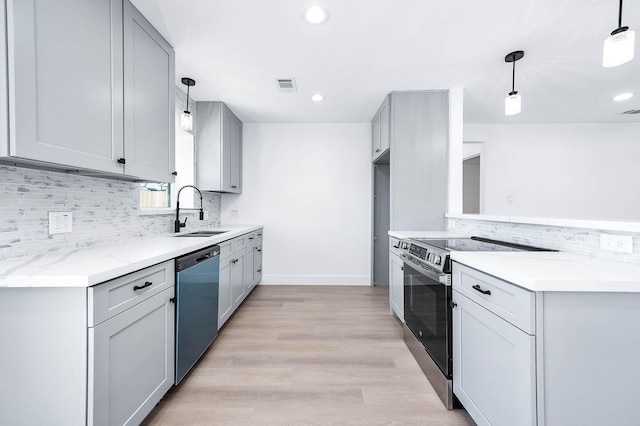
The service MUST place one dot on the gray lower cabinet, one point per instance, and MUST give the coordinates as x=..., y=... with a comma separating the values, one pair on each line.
x=219, y=148
x=101, y=355
x=131, y=362
x=240, y=262
x=225, y=303
x=249, y=267
x=396, y=279
x=257, y=263
x=494, y=366
x=92, y=89
x=238, y=277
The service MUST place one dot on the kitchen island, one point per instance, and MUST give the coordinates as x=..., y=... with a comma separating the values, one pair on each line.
x=546, y=338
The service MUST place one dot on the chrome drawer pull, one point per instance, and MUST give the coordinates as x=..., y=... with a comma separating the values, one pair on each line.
x=478, y=288
x=140, y=287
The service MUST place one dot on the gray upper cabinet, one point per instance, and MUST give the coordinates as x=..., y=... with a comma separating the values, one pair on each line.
x=419, y=159
x=65, y=74
x=380, y=131
x=219, y=148
x=87, y=90
x=149, y=105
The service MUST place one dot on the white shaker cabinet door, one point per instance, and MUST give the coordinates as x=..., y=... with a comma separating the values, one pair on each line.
x=65, y=82
x=149, y=100
x=493, y=366
x=131, y=362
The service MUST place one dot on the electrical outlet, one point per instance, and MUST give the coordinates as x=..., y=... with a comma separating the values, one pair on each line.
x=206, y=215
x=509, y=199
x=60, y=222
x=617, y=243
x=235, y=213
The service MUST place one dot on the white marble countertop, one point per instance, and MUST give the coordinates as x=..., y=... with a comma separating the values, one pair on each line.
x=555, y=271
x=427, y=234
x=85, y=267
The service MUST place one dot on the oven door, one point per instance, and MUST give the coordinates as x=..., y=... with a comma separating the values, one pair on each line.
x=427, y=314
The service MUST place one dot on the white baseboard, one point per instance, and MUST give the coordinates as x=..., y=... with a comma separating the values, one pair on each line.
x=363, y=280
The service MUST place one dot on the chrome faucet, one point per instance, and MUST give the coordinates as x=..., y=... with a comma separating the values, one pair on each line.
x=179, y=224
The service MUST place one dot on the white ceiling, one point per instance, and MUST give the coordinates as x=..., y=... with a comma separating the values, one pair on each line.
x=235, y=50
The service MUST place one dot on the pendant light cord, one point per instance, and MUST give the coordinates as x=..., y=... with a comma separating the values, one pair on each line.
x=188, y=87
x=513, y=77
x=620, y=16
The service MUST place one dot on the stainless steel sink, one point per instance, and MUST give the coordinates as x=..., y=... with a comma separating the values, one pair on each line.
x=201, y=234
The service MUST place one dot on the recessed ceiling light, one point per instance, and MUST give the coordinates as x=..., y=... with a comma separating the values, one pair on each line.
x=317, y=97
x=623, y=96
x=316, y=15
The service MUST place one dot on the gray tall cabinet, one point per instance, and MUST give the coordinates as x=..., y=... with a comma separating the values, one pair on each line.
x=410, y=144
x=91, y=88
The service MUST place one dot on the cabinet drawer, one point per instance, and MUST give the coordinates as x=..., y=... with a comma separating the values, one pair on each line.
x=510, y=302
x=259, y=234
x=239, y=243
x=115, y=296
x=225, y=248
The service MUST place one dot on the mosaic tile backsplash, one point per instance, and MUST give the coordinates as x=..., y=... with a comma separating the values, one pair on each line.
x=574, y=240
x=104, y=211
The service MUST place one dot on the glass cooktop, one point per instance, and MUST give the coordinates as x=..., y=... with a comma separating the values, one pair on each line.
x=476, y=244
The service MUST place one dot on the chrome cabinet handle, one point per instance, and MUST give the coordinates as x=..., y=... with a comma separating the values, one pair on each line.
x=479, y=289
x=140, y=287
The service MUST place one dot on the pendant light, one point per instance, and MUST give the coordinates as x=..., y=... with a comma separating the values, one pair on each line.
x=186, y=119
x=513, y=101
x=618, y=48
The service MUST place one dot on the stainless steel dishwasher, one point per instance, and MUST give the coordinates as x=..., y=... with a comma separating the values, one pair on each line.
x=197, y=280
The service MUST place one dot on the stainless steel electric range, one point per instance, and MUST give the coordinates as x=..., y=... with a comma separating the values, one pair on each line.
x=428, y=306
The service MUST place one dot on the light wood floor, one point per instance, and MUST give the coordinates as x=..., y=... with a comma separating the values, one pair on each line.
x=300, y=355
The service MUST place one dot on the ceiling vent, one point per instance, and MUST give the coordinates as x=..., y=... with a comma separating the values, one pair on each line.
x=632, y=111
x=287, y=84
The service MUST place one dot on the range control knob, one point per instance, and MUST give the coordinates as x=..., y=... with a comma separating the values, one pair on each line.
x=438, y=260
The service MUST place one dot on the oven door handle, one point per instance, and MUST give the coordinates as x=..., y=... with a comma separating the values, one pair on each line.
x=441, y=278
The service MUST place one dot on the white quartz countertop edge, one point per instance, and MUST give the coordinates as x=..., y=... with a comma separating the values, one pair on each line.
x=427, y=234
x=555, y=271
x=85, y=267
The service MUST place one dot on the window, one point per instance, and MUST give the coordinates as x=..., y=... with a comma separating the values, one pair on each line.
x=163, y=195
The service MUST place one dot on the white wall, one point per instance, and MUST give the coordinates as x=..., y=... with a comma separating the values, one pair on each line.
x=310, y=186
x=586, y=171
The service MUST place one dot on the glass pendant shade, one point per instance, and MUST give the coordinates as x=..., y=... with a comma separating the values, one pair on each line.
x=618, y=48
x=186, y=121
x=512, y=104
